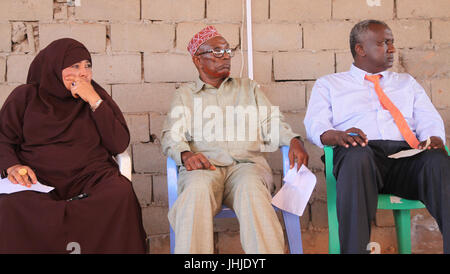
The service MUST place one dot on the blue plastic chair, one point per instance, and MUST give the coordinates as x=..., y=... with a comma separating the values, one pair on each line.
x=291, y=221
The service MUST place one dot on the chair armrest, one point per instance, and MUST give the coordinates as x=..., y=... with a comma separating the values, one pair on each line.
x=124, y=161
x=172, y=178
x=285, y=152
x=331, y=182
x=328, y=150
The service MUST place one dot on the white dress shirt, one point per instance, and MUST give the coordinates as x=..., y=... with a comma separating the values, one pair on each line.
x=344, y=100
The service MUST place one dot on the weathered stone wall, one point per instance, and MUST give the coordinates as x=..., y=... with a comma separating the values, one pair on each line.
x=139, y=56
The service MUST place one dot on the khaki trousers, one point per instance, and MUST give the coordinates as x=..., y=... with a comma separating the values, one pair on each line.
x=243, y=187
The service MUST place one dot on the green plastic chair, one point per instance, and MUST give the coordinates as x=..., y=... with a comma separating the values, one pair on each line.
x=401, y=208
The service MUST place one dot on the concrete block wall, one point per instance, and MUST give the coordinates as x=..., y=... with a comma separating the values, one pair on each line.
x=139, y=56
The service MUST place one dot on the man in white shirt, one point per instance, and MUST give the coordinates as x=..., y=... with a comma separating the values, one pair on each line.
x=350, y=111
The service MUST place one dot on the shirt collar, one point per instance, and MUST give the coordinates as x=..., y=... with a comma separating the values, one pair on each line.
x=359, y=74
x=199, y=84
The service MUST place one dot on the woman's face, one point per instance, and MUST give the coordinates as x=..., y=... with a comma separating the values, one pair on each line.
x=82, y=69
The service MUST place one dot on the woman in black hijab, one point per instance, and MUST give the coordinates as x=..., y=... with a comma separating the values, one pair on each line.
x=63, y=129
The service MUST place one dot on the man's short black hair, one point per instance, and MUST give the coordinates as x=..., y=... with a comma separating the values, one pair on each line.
x=360, y=29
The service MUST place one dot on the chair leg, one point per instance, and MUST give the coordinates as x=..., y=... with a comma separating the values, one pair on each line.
x=172, y=240
x=334, y=246
x=294, y=233
x=403, y=229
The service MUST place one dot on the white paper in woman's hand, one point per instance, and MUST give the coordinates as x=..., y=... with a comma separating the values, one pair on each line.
x=7, y=187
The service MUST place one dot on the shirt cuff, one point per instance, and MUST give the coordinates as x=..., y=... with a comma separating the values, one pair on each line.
x=423, y=137
x=175, y=152
x=315, y=137
x=287, y=137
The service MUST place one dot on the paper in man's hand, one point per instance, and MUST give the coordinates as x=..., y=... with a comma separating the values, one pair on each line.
x=296, y=191
x=409, y=152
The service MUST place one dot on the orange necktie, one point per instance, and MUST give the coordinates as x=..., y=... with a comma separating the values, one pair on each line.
x=387, y=104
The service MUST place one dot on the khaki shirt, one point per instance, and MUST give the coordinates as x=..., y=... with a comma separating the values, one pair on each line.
x=231, y=123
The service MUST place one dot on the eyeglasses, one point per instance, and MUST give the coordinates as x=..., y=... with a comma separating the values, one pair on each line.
x=219, y=53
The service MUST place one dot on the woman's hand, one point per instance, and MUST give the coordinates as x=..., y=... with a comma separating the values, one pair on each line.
x=20, y=174
x=81, y=87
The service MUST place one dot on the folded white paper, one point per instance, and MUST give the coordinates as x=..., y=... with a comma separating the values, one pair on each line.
x=409, y=152
x=296, y=191
x=7, y=187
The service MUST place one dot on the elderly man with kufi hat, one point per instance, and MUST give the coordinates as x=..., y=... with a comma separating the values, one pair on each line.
x=211, y=134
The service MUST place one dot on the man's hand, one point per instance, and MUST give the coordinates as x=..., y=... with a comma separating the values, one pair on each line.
x=193, y=161
x=352, y=136
x=436, y=143
x=20, y=174
x=297, y=153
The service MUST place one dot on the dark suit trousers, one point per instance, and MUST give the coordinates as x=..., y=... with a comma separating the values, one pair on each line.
x=363, y=172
